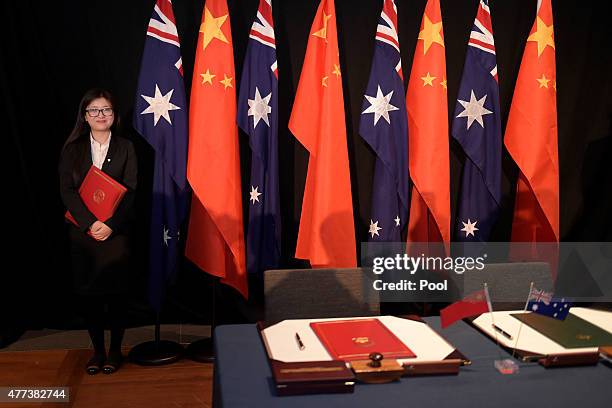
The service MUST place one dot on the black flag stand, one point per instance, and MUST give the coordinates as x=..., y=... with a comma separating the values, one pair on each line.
x=156, y=352
x=203, y=350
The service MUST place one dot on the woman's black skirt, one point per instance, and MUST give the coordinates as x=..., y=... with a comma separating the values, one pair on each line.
x=99, y=267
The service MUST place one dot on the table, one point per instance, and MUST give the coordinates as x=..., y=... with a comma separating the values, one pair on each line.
x=242, y=378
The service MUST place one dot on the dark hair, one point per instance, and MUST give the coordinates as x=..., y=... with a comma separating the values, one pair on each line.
x=81, y=126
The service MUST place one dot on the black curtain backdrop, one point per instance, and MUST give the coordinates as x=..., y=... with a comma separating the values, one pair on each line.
x=52, y=52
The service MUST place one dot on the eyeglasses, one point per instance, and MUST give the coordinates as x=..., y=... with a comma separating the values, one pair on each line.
x=95, y=112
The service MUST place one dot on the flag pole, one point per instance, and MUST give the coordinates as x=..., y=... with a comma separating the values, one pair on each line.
x=490, y=307
x=157, y=351
x=203, y=350
x=521, y=324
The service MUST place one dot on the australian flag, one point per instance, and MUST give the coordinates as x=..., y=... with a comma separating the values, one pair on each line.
x=160, y=116
x=384, y=126
x=477, y=127
x=555, y=307
x=258, y=117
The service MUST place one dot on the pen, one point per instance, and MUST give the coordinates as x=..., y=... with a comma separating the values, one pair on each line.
x=301, y=345
x=504, y=333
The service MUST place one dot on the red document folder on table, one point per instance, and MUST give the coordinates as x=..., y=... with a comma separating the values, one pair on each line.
x=355, y=339
x=100, y=193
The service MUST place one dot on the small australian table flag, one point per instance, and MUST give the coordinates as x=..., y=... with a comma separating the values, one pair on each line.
x=545, y=304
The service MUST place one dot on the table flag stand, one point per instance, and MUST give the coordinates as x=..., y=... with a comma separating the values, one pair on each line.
x=503, y=365
x=521, y=325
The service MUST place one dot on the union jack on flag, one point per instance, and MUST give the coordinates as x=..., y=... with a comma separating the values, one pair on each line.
x=538, y=295
x=481, y=36
x=257, y=115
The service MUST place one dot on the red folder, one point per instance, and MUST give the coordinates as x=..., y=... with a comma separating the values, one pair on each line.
x=100, y=193
x=355, y=339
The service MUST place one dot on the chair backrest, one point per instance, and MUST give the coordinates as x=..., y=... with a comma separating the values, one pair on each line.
x=314, y=293
x=509, y=282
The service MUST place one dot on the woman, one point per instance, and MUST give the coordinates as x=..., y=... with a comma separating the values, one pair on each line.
x=99, y=250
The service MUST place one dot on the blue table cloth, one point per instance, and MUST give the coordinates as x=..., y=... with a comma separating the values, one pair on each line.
x=242, y=378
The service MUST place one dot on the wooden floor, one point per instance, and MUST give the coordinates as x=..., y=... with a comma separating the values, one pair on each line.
x=183, y=384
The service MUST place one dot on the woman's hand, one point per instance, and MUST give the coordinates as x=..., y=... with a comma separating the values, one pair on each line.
x=100, y=231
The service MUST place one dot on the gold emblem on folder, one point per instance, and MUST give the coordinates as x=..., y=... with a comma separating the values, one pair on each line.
x=98, y=196
x=581, y=336
x=362, y=341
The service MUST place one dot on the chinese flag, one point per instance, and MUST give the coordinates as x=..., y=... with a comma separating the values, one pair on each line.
x=428, y=134
x=327, y=233
x=531, y=136
x=473, y=304
x=215, y=240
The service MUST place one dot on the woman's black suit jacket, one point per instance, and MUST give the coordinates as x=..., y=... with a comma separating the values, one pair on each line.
x=120, y=163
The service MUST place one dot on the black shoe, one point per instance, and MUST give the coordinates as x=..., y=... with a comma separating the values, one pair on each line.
x=95, y=363
x=113, y=362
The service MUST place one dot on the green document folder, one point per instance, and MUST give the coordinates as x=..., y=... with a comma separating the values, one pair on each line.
x=573, y=332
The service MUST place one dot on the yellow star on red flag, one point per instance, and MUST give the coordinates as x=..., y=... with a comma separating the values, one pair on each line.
x=211, y=28
x=543, y=81
x=322, y=32
x=207, y=77
x=543, y=35
x=428, y=79
x=227, y=81
x=336, y=70
x=430, y=33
